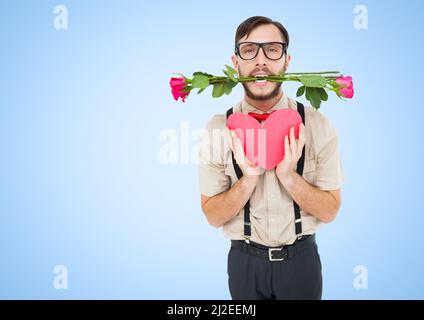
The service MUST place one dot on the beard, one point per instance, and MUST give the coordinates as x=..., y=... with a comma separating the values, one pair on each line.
x=263, y=97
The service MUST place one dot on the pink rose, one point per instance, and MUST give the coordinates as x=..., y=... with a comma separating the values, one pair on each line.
x=177, y=85
x=346, y=83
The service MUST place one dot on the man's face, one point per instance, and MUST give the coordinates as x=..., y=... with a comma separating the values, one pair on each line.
x=263, y=90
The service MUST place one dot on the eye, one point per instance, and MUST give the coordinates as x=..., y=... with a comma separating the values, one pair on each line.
x=274, y=49
x=248, y=49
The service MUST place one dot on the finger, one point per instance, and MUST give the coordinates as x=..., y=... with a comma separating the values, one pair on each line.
x=254, y=170
x=293, y=143
x=251, y=168
x=287, y=153
x=302, y=138
x=250, y=163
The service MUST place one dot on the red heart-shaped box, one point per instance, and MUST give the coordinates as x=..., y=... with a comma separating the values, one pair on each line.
x=264, y=144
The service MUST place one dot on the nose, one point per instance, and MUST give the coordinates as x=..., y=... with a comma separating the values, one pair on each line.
x=261, y=58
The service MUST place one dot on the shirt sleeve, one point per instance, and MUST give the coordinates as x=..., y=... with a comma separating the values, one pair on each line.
x=329, y=172
x=211, y=166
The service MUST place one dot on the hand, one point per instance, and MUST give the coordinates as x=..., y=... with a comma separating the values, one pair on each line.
x=249, y=169
x=292, y=154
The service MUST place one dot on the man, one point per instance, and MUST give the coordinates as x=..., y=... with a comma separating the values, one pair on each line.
x=270, y=216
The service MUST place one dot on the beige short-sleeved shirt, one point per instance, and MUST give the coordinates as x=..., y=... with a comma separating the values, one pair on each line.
x=271, y=207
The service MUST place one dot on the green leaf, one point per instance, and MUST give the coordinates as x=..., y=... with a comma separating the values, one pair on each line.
x=227, y=90
x=200, y=81
x=234, y=71
x=300, y=91
x=313, y=97
x=322, y=94
x=313, y=81
x=201, y=90
x=218, y=89
x=199, y=73
x=229, y=85
x=230, y=75
x=230, y=72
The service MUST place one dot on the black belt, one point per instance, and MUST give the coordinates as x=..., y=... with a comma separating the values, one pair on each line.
x=275, y=253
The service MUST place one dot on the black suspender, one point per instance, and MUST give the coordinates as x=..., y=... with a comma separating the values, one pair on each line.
x=239, y=173
x=299, y=170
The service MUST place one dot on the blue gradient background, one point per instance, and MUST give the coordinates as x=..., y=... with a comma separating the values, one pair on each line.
x=80, y=179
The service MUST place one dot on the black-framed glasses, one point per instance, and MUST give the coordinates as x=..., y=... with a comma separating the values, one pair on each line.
x=272, y=50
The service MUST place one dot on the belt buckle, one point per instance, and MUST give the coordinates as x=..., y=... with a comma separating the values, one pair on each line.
x=270, y=250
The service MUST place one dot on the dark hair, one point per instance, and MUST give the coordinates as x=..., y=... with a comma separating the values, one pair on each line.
x=251, y=23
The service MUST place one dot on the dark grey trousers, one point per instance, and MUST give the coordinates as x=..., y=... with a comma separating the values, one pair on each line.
x=251, y=277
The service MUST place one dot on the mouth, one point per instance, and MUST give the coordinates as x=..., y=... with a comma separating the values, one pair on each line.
x=260, y=82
